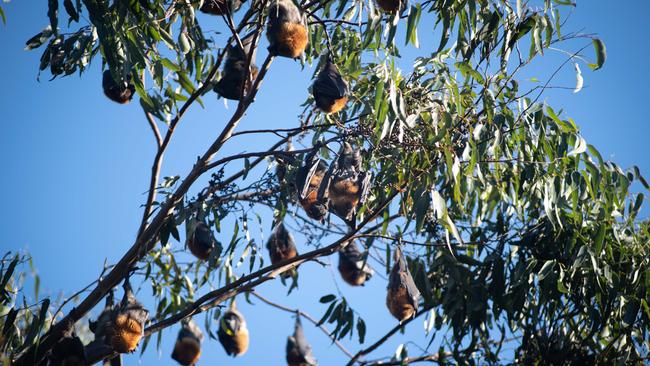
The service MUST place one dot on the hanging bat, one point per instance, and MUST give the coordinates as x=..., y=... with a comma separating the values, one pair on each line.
x=69, y=351
x=281, y=244
x=220, y=7
x=352, y=266
x=403, y=296
x=99, y=328
x=298, y=349
x=309, y=178
x=286, y=30
x=187, y=349
x=392, y=6
x=121, y=93
x=201, y=242
x=349, y=186
x=232, y=333
x=127, y=322
x=330, y=90
x=235, y=75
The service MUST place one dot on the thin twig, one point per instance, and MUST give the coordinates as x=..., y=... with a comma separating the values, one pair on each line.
x=306, y=316
x=154, y=128
x=432, y=358
x=384, y=338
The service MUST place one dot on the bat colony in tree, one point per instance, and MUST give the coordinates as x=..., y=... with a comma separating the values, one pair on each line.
x=339, y=189
x=358, y=184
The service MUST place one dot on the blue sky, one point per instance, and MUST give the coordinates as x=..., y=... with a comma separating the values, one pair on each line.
x=75, y=166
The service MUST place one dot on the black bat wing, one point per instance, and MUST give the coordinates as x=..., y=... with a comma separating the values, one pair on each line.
x=411, y=288
x=366, y=183
x=323, y=189
x=306, y=173
x=203, y=236
x=301, y=345
x=330, y=82
x=401, y=277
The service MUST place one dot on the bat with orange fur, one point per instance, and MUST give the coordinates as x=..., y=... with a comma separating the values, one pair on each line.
x=281, y=244
x=287, y=29
x=187, y=349
x=403, y=296
x=233, y=333
x=349, y=186
x=330, y=89
x=309, y=183
x=352, y=265
x=126, y=327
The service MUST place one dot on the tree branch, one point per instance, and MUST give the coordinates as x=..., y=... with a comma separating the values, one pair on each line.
x=433, y=358
x=148, y=236
x=250, y=281
x=154, y=128
x=162, y=145
x=383, y=339
x=306, y=316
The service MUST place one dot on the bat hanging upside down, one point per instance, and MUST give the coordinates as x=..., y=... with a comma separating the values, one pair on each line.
x=220, y=7
x=349, y=186
x=187, y=349
x=391, y=6
x=403, y=296
x=352, y=265
x=330, y=90
x=232, y=333
x=236, y=75
x=201, y=242
x=287, y=29
x=127, y=323
x=298, y=349
x=281, y=244
x=312, y=193
x=69, y=351
x=121, y=93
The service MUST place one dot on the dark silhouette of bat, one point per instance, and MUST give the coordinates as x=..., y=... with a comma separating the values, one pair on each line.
x=187, y=349
x=220, y=7
x=69, y=351
x=330, y=90
x=121, y=93
x=201, y=242
x=352, y=265
x=235, y=75
x=391, y=6
x=298, y=349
